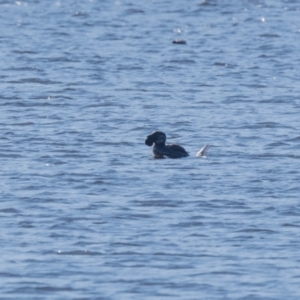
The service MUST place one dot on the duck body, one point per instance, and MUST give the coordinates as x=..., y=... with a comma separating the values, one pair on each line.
x=160, y=149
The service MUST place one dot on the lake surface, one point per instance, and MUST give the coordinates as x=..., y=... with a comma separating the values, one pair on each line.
x=85, y=210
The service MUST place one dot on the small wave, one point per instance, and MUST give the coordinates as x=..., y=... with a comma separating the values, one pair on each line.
x=258, y=230
x=183, y=61
x=34, y=80
x=9, y=210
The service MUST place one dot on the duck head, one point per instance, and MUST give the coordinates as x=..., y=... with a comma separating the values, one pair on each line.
x=156, y=137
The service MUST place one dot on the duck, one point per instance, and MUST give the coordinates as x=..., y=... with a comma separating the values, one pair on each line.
x=157, y=140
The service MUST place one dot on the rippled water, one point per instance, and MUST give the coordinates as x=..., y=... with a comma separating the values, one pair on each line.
x=86, y=212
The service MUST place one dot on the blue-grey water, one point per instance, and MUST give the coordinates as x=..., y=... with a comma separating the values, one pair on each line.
x=86, y=212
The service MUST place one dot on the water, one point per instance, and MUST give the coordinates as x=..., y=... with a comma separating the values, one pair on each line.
x=86, y=212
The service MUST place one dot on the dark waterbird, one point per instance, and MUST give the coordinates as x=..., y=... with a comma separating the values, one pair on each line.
x=160, y=149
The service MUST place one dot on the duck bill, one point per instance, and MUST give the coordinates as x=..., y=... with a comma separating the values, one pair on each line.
x=149, y=141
